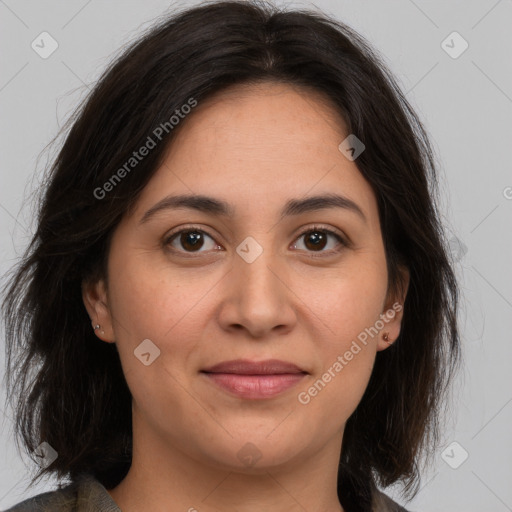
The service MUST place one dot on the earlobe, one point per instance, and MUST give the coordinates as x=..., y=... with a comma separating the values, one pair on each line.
x=391, y=330
x=95, y=298
x=393, y=314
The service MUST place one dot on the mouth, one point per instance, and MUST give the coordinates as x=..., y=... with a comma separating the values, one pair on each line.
x=255, y=380
x=255, y=386
x=248, y=367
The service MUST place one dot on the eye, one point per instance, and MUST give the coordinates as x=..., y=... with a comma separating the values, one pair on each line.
x=190, y=239
x=316, y=238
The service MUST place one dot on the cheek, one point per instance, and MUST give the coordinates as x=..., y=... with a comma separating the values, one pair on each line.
x=351, y=300
x=350, y=308
x=347, y=357
x=357, y=309
x=148, y=303
x=149, y=299
x=152, y=302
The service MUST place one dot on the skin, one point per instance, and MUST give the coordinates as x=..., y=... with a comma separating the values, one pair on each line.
x=254, y=147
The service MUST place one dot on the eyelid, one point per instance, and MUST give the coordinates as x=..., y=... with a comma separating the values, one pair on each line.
x=191, y=227
x=342, y=238
x=329, y=229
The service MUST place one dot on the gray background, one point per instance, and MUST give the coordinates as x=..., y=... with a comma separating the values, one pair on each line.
x=466, y=105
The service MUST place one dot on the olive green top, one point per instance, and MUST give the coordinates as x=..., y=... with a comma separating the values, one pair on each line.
x=87, y=494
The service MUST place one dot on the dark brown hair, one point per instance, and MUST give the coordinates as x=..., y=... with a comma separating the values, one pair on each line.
x=69, y=390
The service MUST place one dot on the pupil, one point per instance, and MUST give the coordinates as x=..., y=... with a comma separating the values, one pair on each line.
x=316, y=238
x=192, y=238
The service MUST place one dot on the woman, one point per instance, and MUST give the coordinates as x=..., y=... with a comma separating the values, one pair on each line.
x=239, y=295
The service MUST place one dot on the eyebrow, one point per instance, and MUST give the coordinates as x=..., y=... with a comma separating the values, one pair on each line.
x=217, y=207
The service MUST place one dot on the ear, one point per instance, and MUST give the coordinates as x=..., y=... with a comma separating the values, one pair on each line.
x=392, y=313
x=95, y=297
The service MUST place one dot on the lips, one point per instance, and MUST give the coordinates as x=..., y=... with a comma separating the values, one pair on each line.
x=247, y=367
x=255, y=380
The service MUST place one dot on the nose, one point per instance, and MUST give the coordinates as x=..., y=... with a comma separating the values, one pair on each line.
x=258, y=297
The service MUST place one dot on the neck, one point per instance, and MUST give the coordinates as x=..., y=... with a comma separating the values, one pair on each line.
x=164, y=476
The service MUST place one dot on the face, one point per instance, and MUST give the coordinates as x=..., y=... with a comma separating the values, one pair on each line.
x=262, y=280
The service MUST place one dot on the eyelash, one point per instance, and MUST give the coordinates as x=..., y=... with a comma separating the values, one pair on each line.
x=342, y=241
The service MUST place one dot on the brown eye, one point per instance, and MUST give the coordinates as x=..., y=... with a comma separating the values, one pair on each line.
x=316, y=240
x=191, y=240
x=188, y=240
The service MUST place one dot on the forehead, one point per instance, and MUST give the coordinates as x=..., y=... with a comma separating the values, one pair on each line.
x=250, y=116
x=255, y=143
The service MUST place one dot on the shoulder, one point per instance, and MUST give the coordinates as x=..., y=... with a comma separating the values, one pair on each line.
x=86, y=494
x=60, y=500
x=383, y=503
